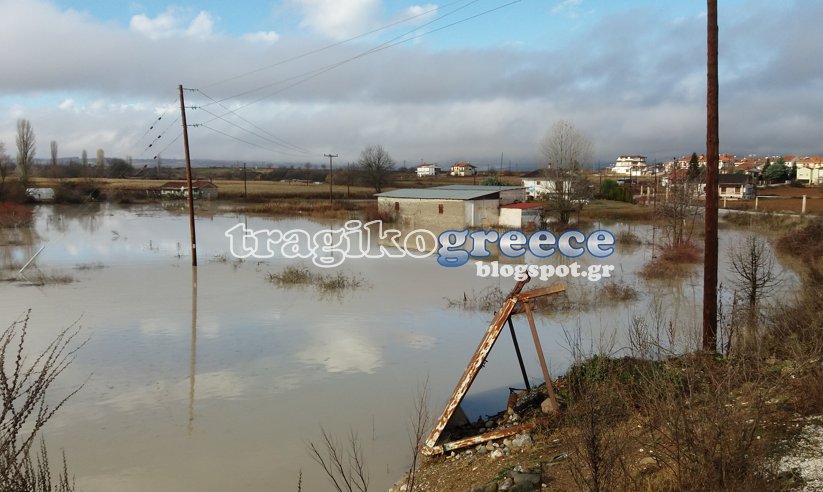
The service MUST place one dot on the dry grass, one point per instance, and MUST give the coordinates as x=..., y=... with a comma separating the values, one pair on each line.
x=302, y=276
x=804, y=243
x=616, y=292
x=298, y=207
x=673, y=262
x=230, y=189
x=628, y=238
x=15, y=214
x=611, y=210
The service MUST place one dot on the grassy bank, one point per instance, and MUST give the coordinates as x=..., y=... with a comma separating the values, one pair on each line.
x=655, y=420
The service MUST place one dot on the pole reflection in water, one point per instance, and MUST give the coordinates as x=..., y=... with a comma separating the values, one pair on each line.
x=193, y=357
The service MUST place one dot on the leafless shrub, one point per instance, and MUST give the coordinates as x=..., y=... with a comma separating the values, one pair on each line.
x=702, y=427
x=596, y=446
x=419, y=423
x=24, y=384
x=343, y=464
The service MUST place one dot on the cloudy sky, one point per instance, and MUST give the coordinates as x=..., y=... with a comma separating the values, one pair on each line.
x=290, y=80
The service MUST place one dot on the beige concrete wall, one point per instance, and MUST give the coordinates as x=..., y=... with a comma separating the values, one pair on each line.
x=415, y=213
x=481, y=213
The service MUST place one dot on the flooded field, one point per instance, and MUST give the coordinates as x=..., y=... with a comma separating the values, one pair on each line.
x=217, y=379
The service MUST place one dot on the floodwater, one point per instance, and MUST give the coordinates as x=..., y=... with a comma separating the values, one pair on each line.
x=217, y=379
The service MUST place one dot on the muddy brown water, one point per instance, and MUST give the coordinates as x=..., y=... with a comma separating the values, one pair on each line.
x=221, y=386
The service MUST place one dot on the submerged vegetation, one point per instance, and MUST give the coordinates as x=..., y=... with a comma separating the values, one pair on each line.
x=301, y=276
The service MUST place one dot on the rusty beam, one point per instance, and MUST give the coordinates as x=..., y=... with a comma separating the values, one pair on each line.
x=477, y=361
x=543, y=291
x=540, y=357
x=482, y=351
x=488, y=436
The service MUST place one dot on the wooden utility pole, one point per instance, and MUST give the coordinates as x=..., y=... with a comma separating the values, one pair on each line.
x=188, y=177
x=712, y=156
x=245, y=189
x=331, y=176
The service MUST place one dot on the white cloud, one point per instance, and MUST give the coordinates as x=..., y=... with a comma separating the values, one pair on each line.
x=168, y=24
x=163, y=25
x=566, y=7
x=201, y=26
x=267, y=37
x=338, y=18
x=420, y=13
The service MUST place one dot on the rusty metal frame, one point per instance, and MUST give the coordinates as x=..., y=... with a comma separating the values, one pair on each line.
x=502, y=316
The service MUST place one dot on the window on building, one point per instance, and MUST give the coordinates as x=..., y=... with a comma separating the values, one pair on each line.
x=396, y=206
x=440, y=208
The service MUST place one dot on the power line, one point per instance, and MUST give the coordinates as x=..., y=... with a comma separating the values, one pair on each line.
x=333, y=45
x=169, y=144
x=388, y=44
x=204, y=125
x=274, y=138
x=158, y=137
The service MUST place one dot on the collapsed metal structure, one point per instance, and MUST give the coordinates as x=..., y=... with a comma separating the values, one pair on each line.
x=515, y=302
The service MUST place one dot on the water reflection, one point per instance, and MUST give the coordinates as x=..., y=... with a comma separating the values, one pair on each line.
x=193, y=352
x=243, y=373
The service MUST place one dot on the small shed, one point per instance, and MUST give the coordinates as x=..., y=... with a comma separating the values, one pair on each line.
x=201, y=188
x=520, y=215
x=40, y=194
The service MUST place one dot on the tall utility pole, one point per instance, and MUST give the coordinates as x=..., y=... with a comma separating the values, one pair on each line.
x=712, y=156
x=245, y=189
x=188, y=177
x=331, y=176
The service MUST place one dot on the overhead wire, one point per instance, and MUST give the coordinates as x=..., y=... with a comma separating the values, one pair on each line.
x=334, y=45
x=246, y=141
x=274, y=138
x=386, y=44
x=383, y=46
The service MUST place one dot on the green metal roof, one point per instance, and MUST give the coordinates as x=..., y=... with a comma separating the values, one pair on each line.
x=449, y=192
x=438, y=194
x=477, y=187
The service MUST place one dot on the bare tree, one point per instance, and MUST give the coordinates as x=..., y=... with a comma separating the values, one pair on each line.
x=344, y=466
x=418, y=426
x=25, y=148
x=53, y=147
x=101, y=162
x=4, y=165
x=753, y=264
x=376, y=165
x=679, y=211
x=565, y=150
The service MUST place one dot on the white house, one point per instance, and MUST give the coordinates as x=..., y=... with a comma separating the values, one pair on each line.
x=463, y=169
x=537, y=185
x=630, y=164
x=810, y=170
x=520, y=215
x=40, y=194
x=427, y=169
x=735, y=186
